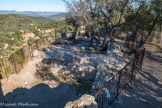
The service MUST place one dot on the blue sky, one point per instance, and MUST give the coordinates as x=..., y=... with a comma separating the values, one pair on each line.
x=33, y=5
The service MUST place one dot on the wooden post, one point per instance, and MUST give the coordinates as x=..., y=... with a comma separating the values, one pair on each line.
x=4, y=74
x=15, y=66
x=133, y=69
x=141, y=61
x=1, y=74
x=118, y=84
x=46, y=41
x=37, y=45
x=12, y=63
x=22, y=57
x=31, y=50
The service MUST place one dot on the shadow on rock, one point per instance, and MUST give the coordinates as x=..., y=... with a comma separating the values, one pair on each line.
x=40, y=96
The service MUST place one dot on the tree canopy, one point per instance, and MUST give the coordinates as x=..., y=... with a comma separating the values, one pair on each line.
x=138, y=16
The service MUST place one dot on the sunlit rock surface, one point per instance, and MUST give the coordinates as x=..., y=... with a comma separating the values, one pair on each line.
x=86, y=101
x=78, y=60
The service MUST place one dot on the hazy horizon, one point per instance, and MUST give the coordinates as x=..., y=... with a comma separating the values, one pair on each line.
x=33, y=11
x=33, y=5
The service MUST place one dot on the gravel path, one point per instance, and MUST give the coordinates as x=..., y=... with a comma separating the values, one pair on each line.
x=146, y=90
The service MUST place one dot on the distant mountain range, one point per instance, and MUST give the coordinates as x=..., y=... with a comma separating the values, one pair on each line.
x=52, y=15
x=59, y=16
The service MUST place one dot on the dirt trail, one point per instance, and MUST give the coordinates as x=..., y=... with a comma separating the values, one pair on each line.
x=25, y=88
x=23, y=79
x=146, y=90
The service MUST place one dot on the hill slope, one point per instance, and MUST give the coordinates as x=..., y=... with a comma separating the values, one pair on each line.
x=40, y=19
x=14, y=22
x=59, y=16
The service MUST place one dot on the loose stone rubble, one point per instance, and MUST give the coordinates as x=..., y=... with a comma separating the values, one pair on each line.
x=74, y=61
x=86, y=101
x=79, y=61
x=106, y=71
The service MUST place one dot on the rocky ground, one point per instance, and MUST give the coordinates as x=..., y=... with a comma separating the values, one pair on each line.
x=52, y=77
x=146, y=90
x=86, y=101
x=79, y=61
x=59, y=75
x=25, y=89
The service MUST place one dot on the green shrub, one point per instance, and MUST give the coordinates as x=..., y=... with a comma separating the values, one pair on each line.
x=30, y=41
x=1, y=45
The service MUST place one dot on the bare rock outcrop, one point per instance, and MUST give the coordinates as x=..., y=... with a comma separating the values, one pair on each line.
x=76, y=60
x=86, y=101
x=73, y=61
x=105, y=72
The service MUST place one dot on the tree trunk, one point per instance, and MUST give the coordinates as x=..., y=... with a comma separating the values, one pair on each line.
x=76, y=34
x=105, y=41
x=92, y=36
x=160, y=35
x=160, y=38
